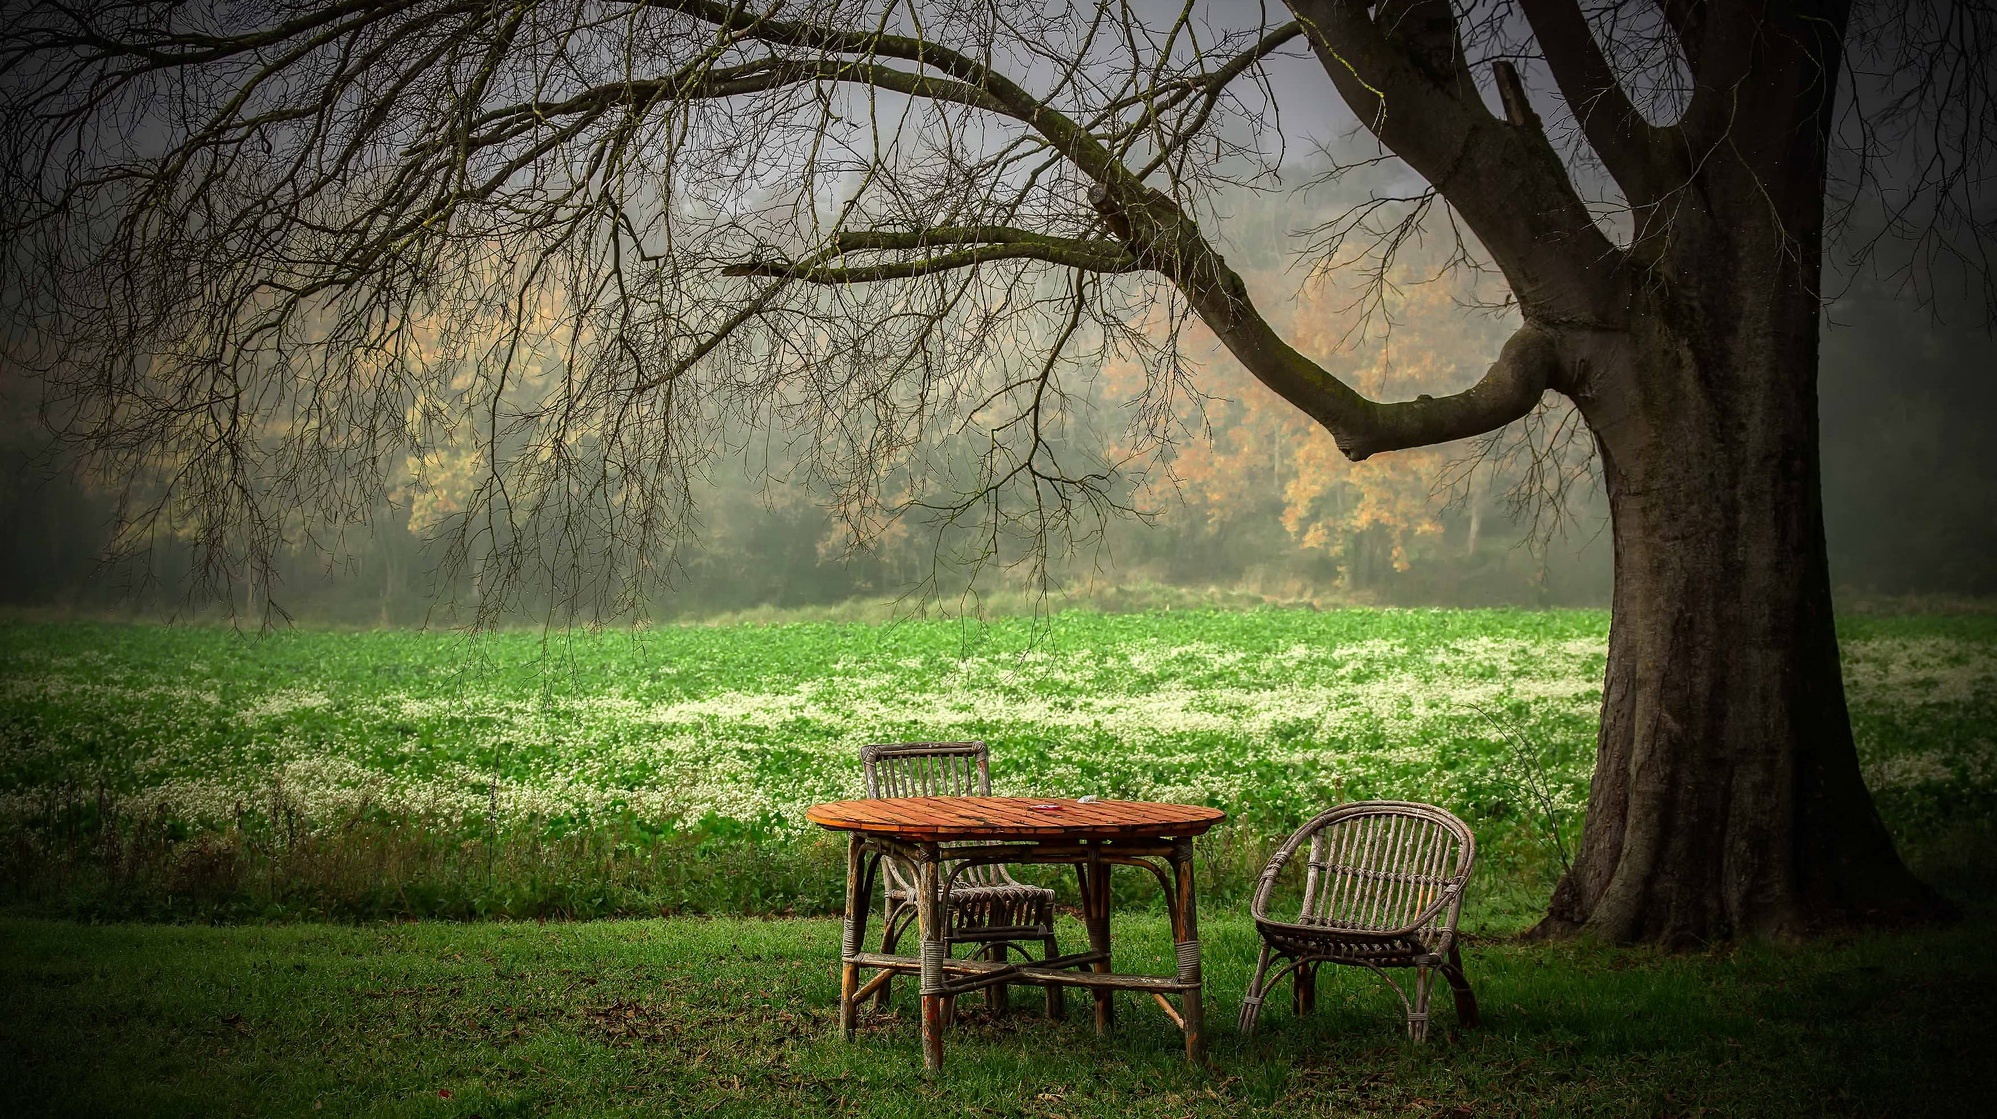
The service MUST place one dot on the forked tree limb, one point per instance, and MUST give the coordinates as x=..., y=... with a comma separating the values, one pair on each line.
x=1507, y=181
x=1646, y=160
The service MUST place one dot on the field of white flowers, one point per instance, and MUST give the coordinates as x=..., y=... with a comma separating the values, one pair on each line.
x=1269, y=715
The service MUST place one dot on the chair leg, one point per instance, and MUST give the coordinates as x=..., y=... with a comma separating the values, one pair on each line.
x=1251, y=1005
x=1303, y=983
x=950, y=1001
x=1459, y=985
x=1418, y=1009
x=949, y=950
x=1057, y=1003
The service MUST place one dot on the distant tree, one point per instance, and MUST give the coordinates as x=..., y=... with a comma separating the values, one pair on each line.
x=264, y=249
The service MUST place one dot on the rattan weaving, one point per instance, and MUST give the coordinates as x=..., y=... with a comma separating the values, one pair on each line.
x=1383, y=888
x=986, y=906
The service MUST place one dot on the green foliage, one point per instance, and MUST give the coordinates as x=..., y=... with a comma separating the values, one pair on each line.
x=195, y=773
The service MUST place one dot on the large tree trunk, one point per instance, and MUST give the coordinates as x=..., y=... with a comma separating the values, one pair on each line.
x=1727, y=799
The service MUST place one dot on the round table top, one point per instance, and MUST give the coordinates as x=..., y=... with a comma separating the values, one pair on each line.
x=1013, y=818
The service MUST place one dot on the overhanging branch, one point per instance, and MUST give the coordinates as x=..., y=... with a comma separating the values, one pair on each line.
x=1092, y=256
x=1526, y=366
x=471, y=153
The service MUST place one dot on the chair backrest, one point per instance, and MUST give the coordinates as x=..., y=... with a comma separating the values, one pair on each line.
x=931, y=769
x=1378, y=866
x=927, y=769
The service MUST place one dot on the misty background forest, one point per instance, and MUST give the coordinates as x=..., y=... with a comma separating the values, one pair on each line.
x=1254, y=499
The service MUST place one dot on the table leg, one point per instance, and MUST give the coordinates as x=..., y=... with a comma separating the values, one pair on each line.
x=857, y=903
x=1186, y=935
x=932, y=924
x=1095, y=916
x=998, y=996
x=1050, y=947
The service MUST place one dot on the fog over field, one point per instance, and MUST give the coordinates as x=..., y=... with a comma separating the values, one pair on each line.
x=1253, y=498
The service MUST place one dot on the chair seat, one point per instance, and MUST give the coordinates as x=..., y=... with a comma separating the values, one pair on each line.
x=1359, y=946
x=969, y=895
x=999, y=911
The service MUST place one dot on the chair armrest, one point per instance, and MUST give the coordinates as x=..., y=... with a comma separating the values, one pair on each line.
x=1258, y=906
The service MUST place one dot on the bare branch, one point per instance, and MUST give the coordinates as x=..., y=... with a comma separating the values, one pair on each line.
x=989, y=243
x=1688, y=22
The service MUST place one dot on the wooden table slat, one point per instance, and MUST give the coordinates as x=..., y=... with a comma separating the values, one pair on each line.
x=1012, y=817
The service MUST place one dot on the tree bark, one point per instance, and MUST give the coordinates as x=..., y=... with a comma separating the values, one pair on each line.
x=1727, y=799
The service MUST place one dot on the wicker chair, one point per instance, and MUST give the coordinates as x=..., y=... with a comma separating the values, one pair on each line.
x=986, y=906
x=1383, y=888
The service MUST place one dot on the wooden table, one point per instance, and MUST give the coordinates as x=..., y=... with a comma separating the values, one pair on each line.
x=934, y=839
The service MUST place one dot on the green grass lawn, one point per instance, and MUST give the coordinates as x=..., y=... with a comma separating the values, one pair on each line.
x=734, y=1016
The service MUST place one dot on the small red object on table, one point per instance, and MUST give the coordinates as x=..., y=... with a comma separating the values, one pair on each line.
x=937, y=838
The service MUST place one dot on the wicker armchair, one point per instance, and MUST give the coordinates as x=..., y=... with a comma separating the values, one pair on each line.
x=986, y=906
x=1382, y=889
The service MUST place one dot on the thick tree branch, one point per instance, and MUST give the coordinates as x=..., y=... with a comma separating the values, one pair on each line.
x=1637, y=153
x=863, y=240
x=994, y=91
x=735, y=21
x=1688, y=22
x=1528, y=364
x=1504, y=179
x=988, y=243
x=1362, y=427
